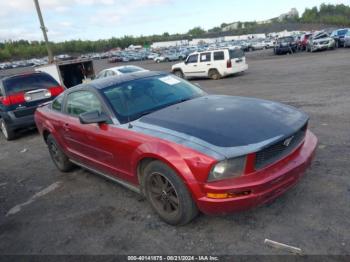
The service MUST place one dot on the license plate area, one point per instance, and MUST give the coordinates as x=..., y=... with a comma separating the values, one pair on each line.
x=36, y=95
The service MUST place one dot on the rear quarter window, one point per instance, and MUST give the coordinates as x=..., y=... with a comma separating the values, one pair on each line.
x=219, y=56
x=236, y=53
x=24, y=83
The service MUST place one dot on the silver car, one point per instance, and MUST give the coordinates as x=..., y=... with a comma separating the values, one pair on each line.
x=347, y=39
x=320, y=41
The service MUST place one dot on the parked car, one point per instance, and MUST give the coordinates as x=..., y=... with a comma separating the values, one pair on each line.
x=347, y=39
x=339, y=35
x=183, y=149
x=302, y=43
x=20, y=95
x=320, y=41
x=119, y=70
x=269, y=43
x=169, y=57
x=213, y=64
x=285, y=45
x=115, y=59
x=258, y=45
x=152, y=56
x=246, y=46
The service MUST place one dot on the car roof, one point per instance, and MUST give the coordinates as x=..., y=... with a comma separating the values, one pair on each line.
x=6, y=77
x=115, y=80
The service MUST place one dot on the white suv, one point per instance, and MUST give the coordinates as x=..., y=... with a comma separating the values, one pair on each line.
x=213, y=64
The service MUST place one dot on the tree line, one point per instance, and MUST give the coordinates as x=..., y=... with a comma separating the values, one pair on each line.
x=338, y=15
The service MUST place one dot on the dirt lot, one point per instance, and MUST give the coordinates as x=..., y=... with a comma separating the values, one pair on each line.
x=86, y=214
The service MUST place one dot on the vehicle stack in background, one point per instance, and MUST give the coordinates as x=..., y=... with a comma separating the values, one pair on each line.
x=179, y=50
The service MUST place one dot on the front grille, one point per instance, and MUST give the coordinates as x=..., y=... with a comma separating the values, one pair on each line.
x=24, y=112
x=279, y=150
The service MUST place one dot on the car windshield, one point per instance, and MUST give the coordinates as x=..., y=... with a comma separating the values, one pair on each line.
x=285, y=40
x=342, y=32
x=129, y=69
x=27, y=82
x=133, y=99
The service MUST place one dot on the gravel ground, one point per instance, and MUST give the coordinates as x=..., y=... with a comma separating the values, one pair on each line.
x=86, y=214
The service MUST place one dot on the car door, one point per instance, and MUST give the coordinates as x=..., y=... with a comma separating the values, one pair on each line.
x=94, y=145
x=191, y=65
x=237, y=59
x=204, y=63
x=80, y=138
x=220, y=62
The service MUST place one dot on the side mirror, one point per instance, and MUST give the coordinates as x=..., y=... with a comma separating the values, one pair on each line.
x=93, y=117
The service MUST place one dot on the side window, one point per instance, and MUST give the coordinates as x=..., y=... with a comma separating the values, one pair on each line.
x=205, y=57
x=101, y=74
x=192, y=59
x=82, y=101
x=219, y=56
x=236, y=53
x=109, y=73
x=57, y=103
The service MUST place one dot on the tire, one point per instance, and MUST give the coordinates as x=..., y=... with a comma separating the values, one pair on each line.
x=167, y=194
x=60, y=160
x=167, y=60
x=214, y=74
x=157, y=61
x=7, y=132
x=178, y=73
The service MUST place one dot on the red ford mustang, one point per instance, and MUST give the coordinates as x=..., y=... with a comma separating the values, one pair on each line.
x=183, y=149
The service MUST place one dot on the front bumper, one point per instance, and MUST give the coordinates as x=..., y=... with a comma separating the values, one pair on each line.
x=264, y=185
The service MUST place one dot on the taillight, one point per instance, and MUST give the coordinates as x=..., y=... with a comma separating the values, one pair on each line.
x=56, y=90
x=12, y=99
x=229, y=63
x=5, y=100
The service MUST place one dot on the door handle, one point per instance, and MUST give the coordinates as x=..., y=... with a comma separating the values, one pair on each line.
x=194, y=65
x=209, y=64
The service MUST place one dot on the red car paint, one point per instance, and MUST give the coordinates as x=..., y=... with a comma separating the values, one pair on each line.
x=119, y=151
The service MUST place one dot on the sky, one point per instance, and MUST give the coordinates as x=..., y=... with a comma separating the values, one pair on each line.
x=102, y=19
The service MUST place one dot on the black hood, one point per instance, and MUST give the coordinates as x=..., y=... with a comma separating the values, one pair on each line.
x=228, y=121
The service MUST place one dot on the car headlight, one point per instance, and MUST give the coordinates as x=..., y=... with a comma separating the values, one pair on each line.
x=228, y=168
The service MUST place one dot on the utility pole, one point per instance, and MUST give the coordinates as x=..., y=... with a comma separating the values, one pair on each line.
x=44, y=29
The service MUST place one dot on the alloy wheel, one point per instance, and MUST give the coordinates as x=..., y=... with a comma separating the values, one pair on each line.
x=163, y=195
x=55, y=153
